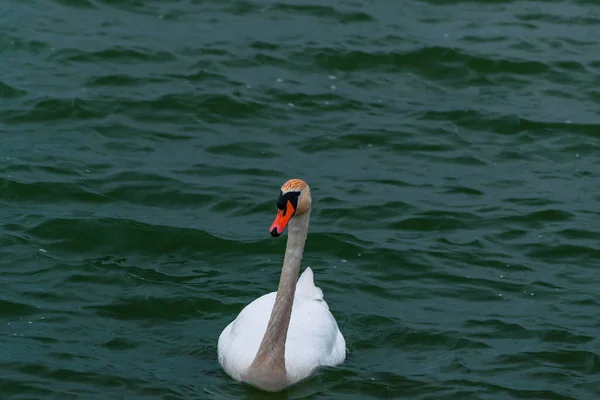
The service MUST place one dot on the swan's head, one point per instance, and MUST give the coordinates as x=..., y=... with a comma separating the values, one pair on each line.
x=294, y=199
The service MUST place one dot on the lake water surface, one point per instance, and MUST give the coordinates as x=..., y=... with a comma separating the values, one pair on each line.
x=452, y=149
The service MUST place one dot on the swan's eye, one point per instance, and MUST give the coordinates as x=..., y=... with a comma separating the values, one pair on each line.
x=292, y=197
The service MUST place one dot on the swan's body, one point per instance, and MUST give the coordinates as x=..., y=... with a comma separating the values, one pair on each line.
x=284, y=336
x=313, y=338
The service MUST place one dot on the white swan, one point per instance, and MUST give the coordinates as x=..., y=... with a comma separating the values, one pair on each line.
x=284, y=336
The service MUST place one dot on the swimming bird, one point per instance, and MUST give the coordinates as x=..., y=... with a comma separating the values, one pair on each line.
x=285, y=336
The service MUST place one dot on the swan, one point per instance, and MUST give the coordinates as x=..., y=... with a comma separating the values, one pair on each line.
x=285, y=336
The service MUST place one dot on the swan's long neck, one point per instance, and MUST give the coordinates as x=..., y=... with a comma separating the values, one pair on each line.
x=268, y=368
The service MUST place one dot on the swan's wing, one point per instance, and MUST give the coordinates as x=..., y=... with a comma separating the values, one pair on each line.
x=306, y=287
x=239, y=341
x=313, y=340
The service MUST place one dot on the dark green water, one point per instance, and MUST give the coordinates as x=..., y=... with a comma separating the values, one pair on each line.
x=452, y=148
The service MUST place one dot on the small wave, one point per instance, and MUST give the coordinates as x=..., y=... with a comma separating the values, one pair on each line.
x=120, y=344
x=434, y=62
x=255, y=150
x=50, y=110
x=46, y=192
x=574, y=233
x=10, y=92
x=78, y=379
x=570, y=360
x=83, y=4
x=11, y=309
x=563, y=252
x=320, y=11
x=435, y=221
x=587, y=129
x=117, y=54
x=241, y=7
x=116, y=235
x=120, y=80
x=463, y=190
x=155, y=309
x=211, y=107
x=557, y=19
x=539, y=217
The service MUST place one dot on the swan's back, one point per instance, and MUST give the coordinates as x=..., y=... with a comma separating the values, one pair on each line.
x=313, y=337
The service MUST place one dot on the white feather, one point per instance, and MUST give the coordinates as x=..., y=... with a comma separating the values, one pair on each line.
x=313, y=338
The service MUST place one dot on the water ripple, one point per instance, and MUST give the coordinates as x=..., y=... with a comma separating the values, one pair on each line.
x=451, y=148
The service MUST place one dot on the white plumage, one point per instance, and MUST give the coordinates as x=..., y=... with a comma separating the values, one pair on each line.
x=313, y=338
x=284, y=336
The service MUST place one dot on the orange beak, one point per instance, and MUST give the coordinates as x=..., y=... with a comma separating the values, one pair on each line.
x=282, y=219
